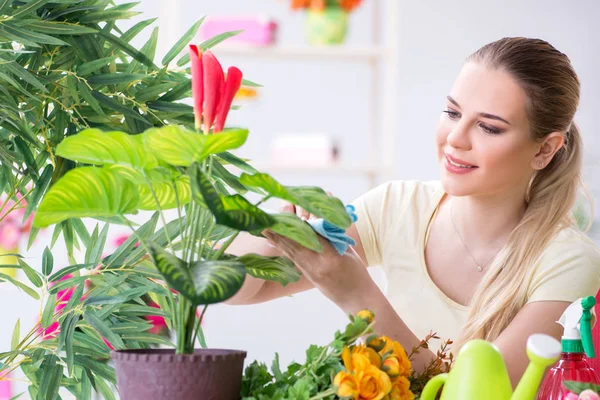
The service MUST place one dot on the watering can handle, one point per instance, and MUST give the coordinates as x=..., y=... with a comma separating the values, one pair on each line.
x=433, y=387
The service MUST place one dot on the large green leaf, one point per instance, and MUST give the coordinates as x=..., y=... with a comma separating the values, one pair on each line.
x=217, y=281
x=232, y=211
x=93, y=146
x=87, y=192
x=174, y=145
x=313, y=199
x=292, y=227
x=174, y=271
x=169, y=194
x=278, y=269
x=177, y=146
x=229, y=139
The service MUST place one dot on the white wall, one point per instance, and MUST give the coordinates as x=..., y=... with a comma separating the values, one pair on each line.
x=434, y=38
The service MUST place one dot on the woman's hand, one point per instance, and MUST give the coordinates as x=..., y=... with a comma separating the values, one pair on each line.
x=343, y=279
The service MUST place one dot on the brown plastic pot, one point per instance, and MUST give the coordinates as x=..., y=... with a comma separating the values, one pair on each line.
x=159, y=374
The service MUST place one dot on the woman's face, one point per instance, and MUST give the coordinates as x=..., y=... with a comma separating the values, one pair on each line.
x=483, y=138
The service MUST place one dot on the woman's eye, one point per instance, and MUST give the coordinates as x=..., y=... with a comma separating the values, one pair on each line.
x=490, y=129
x=452, y=114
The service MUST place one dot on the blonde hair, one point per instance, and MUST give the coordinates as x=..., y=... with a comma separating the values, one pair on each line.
x=552, y=87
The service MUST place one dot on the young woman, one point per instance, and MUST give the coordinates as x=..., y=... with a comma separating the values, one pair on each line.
x=488, y=252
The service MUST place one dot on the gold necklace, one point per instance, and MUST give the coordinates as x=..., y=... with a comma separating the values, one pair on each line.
x=479, y=266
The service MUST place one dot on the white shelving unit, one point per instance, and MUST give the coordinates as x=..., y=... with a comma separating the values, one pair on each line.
x=382, y=58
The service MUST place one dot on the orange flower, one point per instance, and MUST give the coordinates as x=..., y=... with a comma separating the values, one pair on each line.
x=400, y=390
x=354, y=361
x=317, y=5
x=391, y=350
x=346, y=385
x=298, y=4
x=374, y=383
x=350, y=5
x=372, y=355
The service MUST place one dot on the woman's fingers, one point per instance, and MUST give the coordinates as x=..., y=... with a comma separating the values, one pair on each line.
x=289, y=208
x=302, y=213
x=282, y=243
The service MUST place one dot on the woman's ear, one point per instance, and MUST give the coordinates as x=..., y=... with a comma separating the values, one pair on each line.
x=548, y=147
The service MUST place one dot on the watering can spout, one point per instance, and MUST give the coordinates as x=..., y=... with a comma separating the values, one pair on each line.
x=543, y=351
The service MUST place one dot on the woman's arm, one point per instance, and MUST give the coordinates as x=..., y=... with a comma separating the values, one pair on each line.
x=345, y=281
x=537, y=317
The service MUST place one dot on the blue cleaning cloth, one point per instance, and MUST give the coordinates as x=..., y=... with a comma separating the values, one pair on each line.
x=336, y=236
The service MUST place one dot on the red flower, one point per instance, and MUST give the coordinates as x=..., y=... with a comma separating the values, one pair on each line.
x=158, y=322
x=213, y=94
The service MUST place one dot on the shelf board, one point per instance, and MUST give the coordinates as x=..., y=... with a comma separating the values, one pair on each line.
x=325, y=52
x=325, y=169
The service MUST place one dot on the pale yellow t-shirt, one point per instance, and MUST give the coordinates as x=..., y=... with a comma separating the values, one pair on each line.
x=392, y=223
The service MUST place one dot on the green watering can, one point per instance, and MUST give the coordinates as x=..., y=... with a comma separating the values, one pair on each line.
x=479, y=372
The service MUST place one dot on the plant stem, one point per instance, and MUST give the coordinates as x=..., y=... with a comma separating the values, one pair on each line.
x=199, y=322
x=222, y=249
x=324, y=394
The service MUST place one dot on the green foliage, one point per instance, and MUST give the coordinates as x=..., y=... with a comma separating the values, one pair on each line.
x=312, y=379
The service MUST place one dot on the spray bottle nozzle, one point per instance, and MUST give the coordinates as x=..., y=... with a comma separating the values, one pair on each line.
x=577, y=321
x=586, y=326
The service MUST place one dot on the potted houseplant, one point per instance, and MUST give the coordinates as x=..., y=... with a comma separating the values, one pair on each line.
x=189, y=172
x=326, y=20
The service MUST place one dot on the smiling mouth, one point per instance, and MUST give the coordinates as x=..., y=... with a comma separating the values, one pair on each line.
x=458, y=165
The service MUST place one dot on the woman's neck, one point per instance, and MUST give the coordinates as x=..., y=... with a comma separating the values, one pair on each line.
x=487, y=221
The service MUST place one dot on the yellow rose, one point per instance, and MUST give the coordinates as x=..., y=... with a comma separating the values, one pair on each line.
x=372, y=355
x=354, y=361
x=375, y=342
x=346, y=385
x=393, y=349
x=366, y=315
x=374, y=384
x=401, y=390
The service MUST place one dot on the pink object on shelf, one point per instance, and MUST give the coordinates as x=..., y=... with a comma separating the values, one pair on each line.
x=258, y=31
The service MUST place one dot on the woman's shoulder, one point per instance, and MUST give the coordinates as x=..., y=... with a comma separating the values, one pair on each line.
x=568, y=269
x=572, y=243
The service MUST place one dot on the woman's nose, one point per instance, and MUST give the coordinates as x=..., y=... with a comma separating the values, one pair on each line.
x=459, y=136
